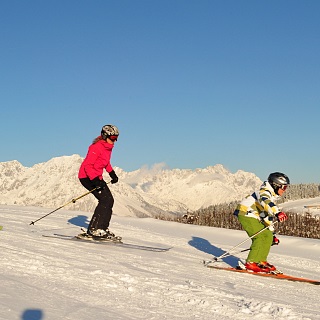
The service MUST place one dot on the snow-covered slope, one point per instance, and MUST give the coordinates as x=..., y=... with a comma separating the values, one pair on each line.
x=144, y=192
x=311, y=206
x=49, y=279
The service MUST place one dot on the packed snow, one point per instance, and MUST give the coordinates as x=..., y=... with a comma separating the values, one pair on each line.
x=311, y=206
x=47, y=278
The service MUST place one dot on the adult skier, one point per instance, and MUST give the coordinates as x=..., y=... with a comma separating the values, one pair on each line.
x=90, y=176
x=257, y=211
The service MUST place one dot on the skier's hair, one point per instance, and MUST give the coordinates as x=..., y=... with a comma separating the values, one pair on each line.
x=97, y=139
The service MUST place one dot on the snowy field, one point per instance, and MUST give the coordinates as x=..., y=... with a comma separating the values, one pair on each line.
x=311, y=206
x=46, y=278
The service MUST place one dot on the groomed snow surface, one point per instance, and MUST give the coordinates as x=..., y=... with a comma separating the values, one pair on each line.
x=46, y=278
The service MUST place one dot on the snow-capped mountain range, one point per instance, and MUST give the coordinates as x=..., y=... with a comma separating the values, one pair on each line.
x=143, y=192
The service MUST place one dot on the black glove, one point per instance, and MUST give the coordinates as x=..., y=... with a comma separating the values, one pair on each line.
x=113, y=176
x=99, y=184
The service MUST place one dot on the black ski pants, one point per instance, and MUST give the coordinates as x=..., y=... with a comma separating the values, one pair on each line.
x=103, y=211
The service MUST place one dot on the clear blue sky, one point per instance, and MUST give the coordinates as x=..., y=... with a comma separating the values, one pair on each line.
x=191, y=83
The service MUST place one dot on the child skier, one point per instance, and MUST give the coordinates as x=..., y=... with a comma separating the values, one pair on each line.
x=257, y=211
x=90, y=176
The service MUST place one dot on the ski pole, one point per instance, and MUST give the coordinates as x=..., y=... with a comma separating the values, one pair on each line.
x=237, y=252
x=227, y=253
x=72, y=201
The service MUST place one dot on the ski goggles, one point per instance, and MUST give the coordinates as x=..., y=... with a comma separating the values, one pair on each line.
x=284, y=187
x=113, y=138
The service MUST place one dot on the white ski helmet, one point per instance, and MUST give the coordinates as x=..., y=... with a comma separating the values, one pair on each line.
x=109, y=131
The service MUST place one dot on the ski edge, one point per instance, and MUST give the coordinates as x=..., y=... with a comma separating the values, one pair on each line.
x=110, y=242
x=279, y=276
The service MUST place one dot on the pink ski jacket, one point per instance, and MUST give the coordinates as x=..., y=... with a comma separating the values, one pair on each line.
x=97, y=159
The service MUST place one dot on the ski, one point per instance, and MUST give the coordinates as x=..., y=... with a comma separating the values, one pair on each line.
x=117, y=243
x=279, y=276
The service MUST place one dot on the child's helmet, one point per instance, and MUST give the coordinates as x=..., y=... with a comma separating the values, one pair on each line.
x=277, y=180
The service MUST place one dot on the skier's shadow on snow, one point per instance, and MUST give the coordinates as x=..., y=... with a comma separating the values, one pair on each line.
x=32, y=314
x=205, y=246
x=80, y=221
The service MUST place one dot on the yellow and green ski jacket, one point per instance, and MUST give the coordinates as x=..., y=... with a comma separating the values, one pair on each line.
x=260, y=204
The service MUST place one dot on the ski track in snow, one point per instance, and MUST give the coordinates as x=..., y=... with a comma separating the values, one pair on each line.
x=61, y=279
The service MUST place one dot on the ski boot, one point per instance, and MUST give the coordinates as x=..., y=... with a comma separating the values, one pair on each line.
x=272, y=268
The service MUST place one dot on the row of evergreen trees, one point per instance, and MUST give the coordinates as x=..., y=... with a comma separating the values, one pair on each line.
x=301, y=191
x=299, y=225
